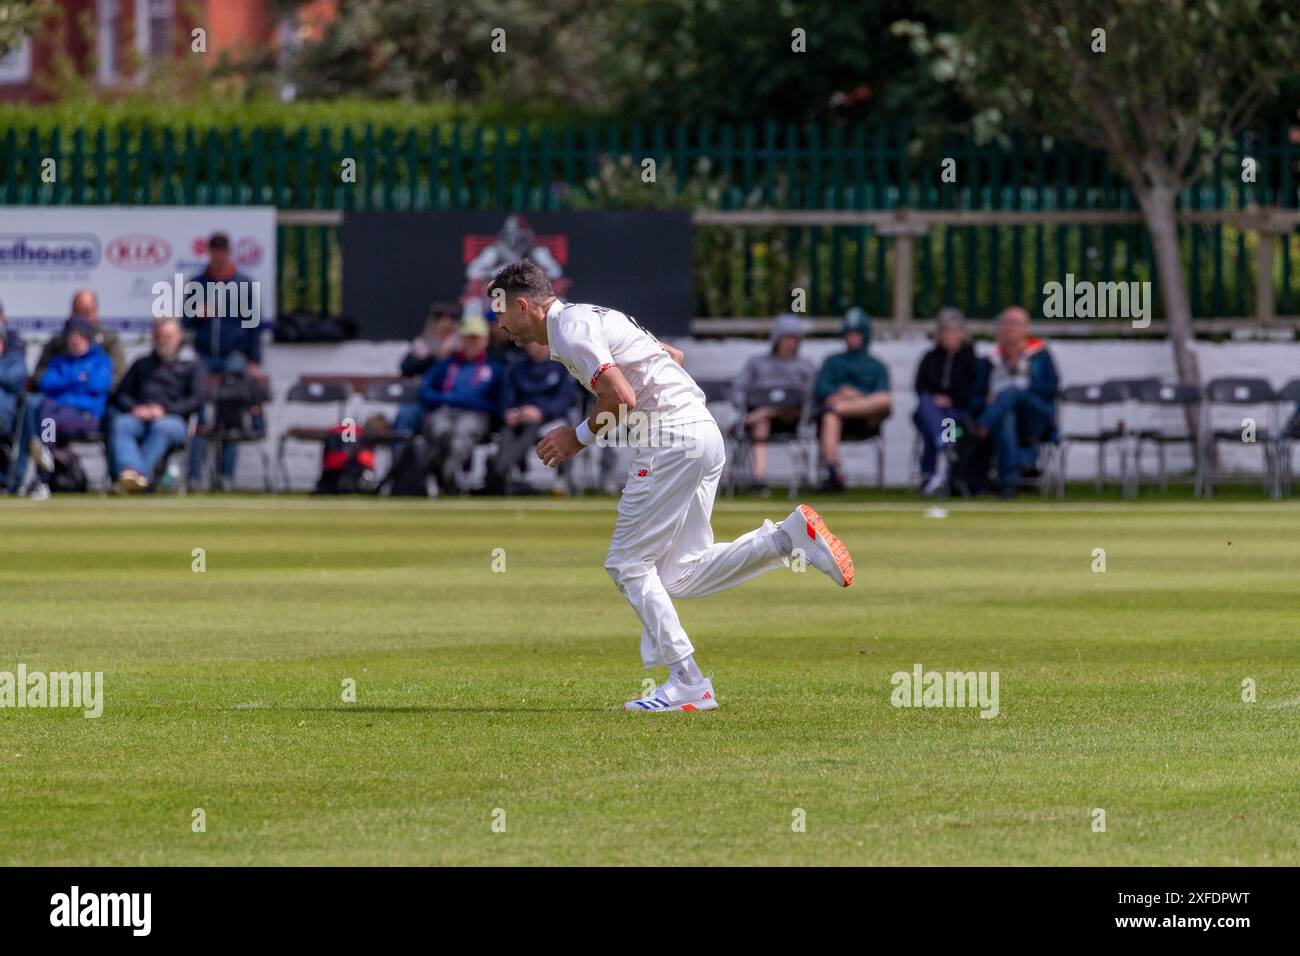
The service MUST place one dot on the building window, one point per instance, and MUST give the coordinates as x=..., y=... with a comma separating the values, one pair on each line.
x=108, y=15
x=161, y=16
x=17, y=66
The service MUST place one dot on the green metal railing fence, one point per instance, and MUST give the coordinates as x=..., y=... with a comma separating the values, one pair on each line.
x=738, y=271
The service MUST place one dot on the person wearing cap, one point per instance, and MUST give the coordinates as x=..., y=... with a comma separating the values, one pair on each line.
x=945, y=379
x=781, y=367
x=852, y=390
x=461, y=396
x=223, y=344
x=1014, y=401
x=74, y=393
x=13, y=377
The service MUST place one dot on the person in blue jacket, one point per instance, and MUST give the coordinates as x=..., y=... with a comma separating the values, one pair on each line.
x=538, y=394
x=1014, y=399
x=461, y=396
x=75, y=387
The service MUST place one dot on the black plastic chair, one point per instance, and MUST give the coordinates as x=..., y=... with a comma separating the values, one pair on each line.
x=1289, y=433
x=797, y=440
x=1157, y=395
x=311, y=393
x=1098, y=397
x=1238, y=392
x=720, y=398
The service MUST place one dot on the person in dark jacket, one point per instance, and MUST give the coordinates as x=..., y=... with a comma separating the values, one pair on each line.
x=1014, y=401
x=944, y=381
x=222, y=342
x=440, y=339
x=462, y=396
x=74, y=392
x=154, y=402
x=538, y=393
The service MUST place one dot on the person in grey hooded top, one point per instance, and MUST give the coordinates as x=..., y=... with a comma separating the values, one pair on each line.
x=780, y=368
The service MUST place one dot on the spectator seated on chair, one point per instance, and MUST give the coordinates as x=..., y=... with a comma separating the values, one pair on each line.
x=85, y=304
x=154, y=402
x=537, y=393
x=439, y=340
x=461, y=396
x=852, y=392
x=944, y=381
x=782, y=367
x=1014, y=403
x=223, y=343
x=75, y=390
x=13, y=378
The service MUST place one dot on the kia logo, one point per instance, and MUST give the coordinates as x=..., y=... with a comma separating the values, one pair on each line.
x=247, y=253
x=139, y=253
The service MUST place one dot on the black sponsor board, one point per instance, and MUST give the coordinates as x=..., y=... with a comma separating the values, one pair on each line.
x=396, y=264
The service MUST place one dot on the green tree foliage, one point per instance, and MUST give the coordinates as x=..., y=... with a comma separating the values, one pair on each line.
x=1163, y=86
x=17, y=19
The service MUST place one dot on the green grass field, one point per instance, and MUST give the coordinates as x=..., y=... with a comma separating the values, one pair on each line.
x=479, y=690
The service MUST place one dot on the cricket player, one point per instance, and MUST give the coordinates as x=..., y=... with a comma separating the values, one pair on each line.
x=662, y=547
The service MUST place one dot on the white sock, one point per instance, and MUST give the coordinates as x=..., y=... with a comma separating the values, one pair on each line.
x=784, y=546
x=686, y=671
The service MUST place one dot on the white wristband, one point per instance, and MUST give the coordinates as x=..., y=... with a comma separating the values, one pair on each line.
x=584, y=433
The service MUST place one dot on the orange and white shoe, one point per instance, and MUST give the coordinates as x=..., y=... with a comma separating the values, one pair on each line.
x=825, y=552
x=672, y=694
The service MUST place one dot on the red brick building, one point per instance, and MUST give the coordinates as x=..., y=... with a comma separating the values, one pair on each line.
x=115, y=42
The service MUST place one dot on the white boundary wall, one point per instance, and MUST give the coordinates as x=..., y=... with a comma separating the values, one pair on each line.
x=1079, y=362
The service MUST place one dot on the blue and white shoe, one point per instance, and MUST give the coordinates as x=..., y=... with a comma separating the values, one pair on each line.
x=674, y=695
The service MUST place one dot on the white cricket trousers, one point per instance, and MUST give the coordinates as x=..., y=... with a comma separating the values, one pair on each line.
x=662, y=547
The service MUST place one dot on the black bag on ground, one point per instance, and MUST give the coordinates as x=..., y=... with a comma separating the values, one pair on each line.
x=347, y=463
x=68, y=476
x=409, y=477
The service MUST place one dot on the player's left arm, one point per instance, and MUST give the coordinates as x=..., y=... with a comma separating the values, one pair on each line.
x=614, y=394
x=674, y=353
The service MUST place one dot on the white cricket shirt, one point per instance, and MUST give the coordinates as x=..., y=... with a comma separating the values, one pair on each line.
x=588, y=339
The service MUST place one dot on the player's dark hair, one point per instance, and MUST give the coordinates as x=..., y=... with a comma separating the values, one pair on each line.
x=524, y=277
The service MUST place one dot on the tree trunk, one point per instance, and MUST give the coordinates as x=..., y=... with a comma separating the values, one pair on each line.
x=1158, y=208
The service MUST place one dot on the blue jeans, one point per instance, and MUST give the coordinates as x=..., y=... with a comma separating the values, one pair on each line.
x=26, y=429
x=1014, y=418
x=929, y=420
x=141, y=446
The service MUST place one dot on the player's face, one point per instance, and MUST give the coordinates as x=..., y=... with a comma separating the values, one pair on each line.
x=515, y=322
